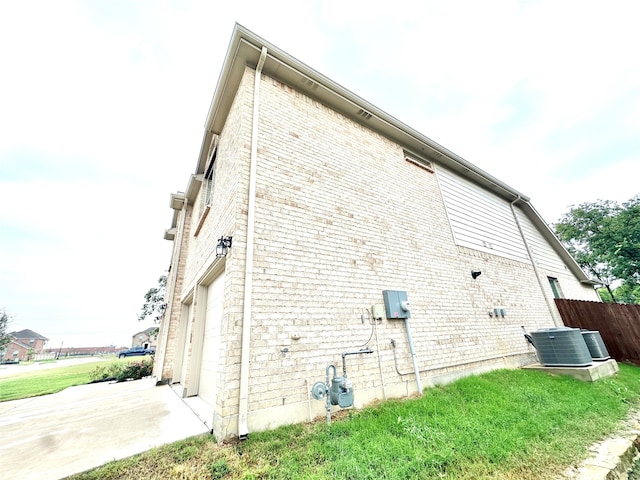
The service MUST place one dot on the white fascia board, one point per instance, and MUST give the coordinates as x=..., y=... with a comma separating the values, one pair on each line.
x=176, y=204
x=170, y=234
x=193, y=187
x=177, y=201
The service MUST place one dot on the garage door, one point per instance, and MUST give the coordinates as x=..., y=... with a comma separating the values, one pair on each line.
x=209, y=369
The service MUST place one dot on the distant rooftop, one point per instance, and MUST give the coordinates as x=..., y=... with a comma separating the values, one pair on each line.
x=27, y=334
x=149, y=331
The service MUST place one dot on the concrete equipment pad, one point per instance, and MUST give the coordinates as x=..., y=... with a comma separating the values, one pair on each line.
x=587, y=374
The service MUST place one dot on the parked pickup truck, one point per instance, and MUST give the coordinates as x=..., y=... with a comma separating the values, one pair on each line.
x=136, y=351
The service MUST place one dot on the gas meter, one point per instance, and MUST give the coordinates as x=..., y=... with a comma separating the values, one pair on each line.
x=340, y=390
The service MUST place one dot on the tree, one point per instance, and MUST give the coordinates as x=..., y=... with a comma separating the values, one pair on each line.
x=623, y=241
x=580, y=229
x=604, y=238
x=154, y=304
x=623, y=294
x=5, y=338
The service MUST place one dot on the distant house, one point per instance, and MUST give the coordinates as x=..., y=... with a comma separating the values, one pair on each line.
x=311, y=219
x=24, y=344
x=147, y=338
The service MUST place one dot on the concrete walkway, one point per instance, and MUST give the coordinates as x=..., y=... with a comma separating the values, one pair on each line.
x=83, y=427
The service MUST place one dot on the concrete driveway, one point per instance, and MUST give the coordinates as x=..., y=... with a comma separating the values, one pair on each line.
x=83, y=427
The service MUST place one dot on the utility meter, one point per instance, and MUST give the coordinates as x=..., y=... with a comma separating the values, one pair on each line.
x=396, y=304
x=337, y=390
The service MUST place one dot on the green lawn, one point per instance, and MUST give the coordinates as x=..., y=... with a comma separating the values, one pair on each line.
x=50, y=380
x=507, y=424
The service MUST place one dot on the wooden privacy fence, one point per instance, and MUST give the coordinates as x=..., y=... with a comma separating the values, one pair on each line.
x=619, y=325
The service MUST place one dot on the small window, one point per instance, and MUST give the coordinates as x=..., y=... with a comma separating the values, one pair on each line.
x=555, y=287
x=207, y=191
x=208, y=178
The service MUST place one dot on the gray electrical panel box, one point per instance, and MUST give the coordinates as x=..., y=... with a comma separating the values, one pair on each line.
x=396, y=304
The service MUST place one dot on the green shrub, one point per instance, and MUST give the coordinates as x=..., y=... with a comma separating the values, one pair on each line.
x=121, y=372
x=135, y=370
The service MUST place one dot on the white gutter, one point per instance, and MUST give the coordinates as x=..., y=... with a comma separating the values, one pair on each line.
x=550, y=306
x=243, y=407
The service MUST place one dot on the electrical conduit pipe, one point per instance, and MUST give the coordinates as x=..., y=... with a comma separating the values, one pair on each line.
x=243, y=406
x=413, y=356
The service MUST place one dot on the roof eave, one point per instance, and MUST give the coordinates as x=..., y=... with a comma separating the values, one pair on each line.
x=244, y=50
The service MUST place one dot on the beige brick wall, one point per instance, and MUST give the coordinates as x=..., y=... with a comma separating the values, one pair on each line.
x=166, y=351
x=341, y=216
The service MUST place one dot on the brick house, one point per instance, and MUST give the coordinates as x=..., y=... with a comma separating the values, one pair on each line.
x=24, y=344
x=328, y=202
x=147, y=338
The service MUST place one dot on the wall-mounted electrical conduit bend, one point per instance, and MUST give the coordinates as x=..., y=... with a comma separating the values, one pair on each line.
x=397, y=306
x=375, y=329
x=443, y=367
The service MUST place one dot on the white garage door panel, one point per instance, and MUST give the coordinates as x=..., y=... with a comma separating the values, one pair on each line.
x=209, y=370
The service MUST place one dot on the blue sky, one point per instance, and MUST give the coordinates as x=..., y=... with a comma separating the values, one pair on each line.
x=102, y=107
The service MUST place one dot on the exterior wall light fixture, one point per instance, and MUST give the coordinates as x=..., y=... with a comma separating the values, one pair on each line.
x=224, y=244
x=475, y=274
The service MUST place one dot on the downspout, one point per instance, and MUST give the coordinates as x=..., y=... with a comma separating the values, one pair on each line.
x=552, y=309
x=243, y=406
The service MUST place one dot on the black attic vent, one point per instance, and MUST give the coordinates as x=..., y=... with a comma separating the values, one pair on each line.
x=364, y=114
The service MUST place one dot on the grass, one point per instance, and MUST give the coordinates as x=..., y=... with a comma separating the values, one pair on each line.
x=507, y=424
x=634, y=473
x=51, y=380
